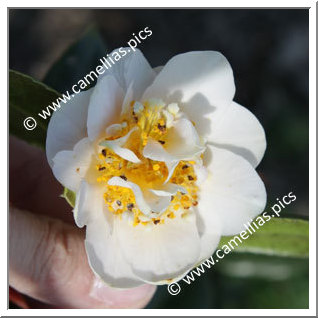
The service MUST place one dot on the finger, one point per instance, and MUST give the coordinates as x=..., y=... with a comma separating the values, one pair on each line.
x=48, y=262
x=32, y=185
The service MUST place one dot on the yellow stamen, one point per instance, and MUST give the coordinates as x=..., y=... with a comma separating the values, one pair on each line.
x=147, y=174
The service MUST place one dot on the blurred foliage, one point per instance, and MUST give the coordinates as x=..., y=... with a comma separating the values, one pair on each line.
x=78, y=61
x=243, y=281
x=278, y=236
x=27, y=97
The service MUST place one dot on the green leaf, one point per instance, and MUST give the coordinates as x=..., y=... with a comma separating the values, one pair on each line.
x=27, y=97
x=79, y=59
x=278, y=236
x=69, y=196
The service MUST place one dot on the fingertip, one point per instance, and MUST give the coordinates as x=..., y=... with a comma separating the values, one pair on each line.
x=137, y=297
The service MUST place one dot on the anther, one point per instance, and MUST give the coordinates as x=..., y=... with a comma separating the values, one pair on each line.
x=130, y=206
x=162, y=128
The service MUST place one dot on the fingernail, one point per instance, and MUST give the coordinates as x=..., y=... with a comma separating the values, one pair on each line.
x=121, y=298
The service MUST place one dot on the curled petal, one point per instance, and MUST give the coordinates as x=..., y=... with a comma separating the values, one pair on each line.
x=139, y=197
x=182, y=143
x=155, y=151
x=151, y=202
x=116, y=146
x=172, y=165
x=113, y=130
x=70, y=167
x=158, y=203
x=169, y=190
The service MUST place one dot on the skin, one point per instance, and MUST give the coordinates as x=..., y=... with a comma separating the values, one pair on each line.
x=47, y=259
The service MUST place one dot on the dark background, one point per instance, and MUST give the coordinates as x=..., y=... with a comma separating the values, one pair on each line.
x=268, y=51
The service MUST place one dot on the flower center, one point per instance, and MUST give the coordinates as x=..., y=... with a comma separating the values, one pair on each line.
x=140, y=123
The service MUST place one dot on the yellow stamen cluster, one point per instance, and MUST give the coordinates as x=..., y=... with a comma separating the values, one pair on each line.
x=110, y=165
x=147, y=173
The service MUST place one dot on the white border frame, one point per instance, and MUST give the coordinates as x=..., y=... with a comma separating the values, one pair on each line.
x=312, y=164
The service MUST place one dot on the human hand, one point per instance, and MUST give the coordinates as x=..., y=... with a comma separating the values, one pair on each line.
x=47, y=259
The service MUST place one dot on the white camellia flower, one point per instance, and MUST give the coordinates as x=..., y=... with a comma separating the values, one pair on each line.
x=162, y=164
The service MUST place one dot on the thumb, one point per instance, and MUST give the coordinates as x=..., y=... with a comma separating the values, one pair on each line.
x=48, y=262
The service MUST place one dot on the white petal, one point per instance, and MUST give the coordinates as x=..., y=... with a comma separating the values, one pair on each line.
x=104, y=107
x=126, y=154
x=147, y=201
x=132, y=69
x=158, y=203
x=155, y=252
x=67, y=125
x=183, y=141
x=201, y=82
x=171, y=167
x=102, y=248
x=70, y=167
x=233, y=192
x=201, y=173
x=240, y=132
x=173, y=108
x=129, y=97
x=169, y=190
x=142, y=204
x=116, y=146
x=206, y=72
x=113, y=130
x=155, y=151
x=88, y=202
x=209, y=229
x=169, y=118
